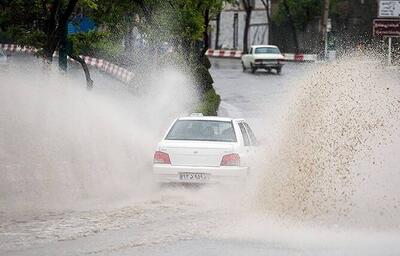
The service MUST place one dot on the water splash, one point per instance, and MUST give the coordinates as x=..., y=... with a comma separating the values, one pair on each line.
x=341, y=119
x=60, y=143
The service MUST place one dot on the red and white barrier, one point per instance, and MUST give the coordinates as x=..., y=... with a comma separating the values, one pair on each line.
x=108, y=67
x=18, y=48
x=300, y=57
x=224, y=53
x=238, y=54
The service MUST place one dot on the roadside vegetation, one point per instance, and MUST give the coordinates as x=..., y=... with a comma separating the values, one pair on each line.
x=209, y=103
x=132, y=33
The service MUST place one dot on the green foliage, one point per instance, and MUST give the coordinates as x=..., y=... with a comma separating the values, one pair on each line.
x=94, y=43
x=19, y=35
x=209, y=104
x=175, y=20
x=202, y=78
x=113, y=15
x=302, y=11
x=20, y=22
x=91, y=4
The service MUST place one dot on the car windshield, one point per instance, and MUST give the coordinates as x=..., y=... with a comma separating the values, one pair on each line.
x=267, y=50
x=202, y=130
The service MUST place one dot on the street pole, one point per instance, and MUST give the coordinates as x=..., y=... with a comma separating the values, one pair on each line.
x=326, y=44
x=390, y=51
x=325, y=17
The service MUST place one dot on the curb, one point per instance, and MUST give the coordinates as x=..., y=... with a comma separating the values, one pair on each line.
x=237, y=54
x=114, y=70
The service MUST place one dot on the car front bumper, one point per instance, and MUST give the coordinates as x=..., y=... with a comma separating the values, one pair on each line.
x=173, y=174
x=267, y=65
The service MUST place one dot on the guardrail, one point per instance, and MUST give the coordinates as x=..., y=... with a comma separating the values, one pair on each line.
x=110, y=68
x=238, y=54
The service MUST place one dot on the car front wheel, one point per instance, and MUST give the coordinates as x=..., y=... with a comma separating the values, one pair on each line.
x=253, y=69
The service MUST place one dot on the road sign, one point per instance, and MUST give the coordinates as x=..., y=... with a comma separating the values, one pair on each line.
x=387, y=27
x=389, y=9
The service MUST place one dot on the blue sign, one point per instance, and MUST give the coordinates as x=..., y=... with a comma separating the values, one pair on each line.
x=80, y=24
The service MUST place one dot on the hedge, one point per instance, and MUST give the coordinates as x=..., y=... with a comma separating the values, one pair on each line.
x=209, y=104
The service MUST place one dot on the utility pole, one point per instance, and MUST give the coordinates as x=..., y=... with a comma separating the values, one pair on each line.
x=390, y=51
x=325, y=17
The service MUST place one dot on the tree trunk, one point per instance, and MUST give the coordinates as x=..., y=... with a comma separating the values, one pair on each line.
x=325, y=17
x=56, y=28
x=292, y=25
x=267, y=7
x=51, y=32
x=205, y=33
x=217, y=31
x=246, y=30
x=89, y=81
x=324, y=27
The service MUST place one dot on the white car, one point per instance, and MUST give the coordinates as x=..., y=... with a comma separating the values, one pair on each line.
x=267, y=57
x=199, y=149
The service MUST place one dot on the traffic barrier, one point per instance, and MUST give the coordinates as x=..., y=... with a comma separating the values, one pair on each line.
x=18, y=48
x=224, y=53
x=237, y=54
x=116, y=71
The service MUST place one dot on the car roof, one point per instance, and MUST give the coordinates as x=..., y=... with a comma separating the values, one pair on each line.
x=211, y=118
x=264, y=45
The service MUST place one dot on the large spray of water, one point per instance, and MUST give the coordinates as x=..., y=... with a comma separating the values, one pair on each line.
x=337, y=157
x=60, y=143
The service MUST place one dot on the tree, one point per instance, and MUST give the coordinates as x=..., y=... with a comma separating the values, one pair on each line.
x=267, y=7
x=297, y=14
x=292, y=25
x=247, y=4
x=211, y=10
x=218, y=24
x=42, y=24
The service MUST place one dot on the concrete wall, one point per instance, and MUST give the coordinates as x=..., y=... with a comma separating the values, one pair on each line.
x=258, y=32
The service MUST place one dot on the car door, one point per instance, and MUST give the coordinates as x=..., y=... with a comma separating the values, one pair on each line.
x=251, y=149
x=252, y=137
x=247, y=151
x=247, y=58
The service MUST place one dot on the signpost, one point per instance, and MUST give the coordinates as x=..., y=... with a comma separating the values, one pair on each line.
x=389, y=9
x=388, y=24
x=387, y=27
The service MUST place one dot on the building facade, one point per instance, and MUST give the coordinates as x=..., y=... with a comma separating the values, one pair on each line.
x=232, y=23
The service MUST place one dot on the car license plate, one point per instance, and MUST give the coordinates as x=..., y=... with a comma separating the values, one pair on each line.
x=191, y=176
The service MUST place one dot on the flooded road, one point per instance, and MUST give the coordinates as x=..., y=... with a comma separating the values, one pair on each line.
x=74, y=210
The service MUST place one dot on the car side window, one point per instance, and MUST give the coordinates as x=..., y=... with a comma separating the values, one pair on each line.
x=246, y=138
x=253, y=138
x=251, y=50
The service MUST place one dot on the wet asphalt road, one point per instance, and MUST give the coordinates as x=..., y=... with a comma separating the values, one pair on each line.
x=252, y=95
x=259, y=97
x=165, y=223
x=182, y=222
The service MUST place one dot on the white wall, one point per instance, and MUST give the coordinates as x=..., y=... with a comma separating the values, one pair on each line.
x=258, y=32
